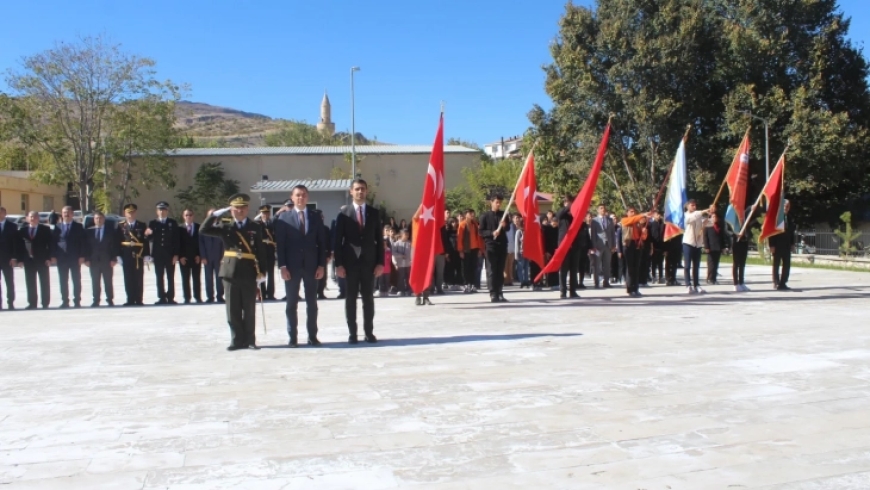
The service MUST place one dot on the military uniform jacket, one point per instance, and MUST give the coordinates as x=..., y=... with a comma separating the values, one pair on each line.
x=132, y=234
x=269, y=241
x=235, y=268
x=165, y=239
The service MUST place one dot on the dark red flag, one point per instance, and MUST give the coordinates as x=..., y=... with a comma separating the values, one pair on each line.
x=579, y=208
x=427, y=235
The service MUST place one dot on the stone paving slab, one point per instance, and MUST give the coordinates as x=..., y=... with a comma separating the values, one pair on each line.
x=765, y=390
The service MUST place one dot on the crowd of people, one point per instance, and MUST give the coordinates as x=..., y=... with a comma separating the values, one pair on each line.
x=299, y=245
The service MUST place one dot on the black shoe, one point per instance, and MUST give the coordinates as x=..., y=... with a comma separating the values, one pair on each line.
x=95, y=304
x=110, y=303
x=418, y=301
x=45, y=307
x=77, y=304
x=574, y=296
x=293, y=343
x=321, y=296
x=580, y=286
x=371, y=339
x=493, y=299
x=171, y=302
x=502, y=299
x=221, y=300
x=563, y=296
x=129, y=303
x=62, y=305
x=341, y=296
x=352, y=339
x=210, y=300
x=783, y=287
x=187, y=301
x=314, y=342
x=163, y=302
x=199, y=300
x=234, y=347
x=253, y=347
x=30, y=307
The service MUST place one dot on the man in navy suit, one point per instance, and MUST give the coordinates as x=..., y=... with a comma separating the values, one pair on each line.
x=103, y=246
x=8, y=253
x=359, y=258
x=34, y=254
x=68, y=252
x=301, y=248
x=211, y=251
x=190, y=258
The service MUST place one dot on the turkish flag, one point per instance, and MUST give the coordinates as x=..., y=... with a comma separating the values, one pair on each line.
x=427, y=237
x=579, y=208
x=527, y=191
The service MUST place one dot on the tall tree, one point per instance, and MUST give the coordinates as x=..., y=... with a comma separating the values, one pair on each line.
x=660, y=65
x=69, y=102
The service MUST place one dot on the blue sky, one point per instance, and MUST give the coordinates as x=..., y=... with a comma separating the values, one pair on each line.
x=483, y=58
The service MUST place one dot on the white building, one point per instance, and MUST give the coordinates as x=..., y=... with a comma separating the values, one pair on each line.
x=505, y=148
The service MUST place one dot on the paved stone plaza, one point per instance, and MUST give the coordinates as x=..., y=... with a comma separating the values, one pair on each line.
x=757, y=390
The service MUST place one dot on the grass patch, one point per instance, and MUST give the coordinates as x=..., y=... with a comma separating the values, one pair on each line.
x=726, y=259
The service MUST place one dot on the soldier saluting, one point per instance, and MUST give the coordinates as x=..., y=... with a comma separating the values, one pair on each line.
x=267, y=289
x=133, y=243
x=244, y=250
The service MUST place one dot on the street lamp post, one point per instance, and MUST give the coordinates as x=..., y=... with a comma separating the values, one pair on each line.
x=352, y=126
x=766, y=141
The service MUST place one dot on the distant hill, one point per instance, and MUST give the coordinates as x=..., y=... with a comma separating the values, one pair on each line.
x=221, y=126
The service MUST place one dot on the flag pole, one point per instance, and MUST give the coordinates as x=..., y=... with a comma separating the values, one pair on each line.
x=725, y=180
x=746, y=223
x=507, y=208
x=668, y=176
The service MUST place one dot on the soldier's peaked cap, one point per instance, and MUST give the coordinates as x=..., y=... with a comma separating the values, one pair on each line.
x=266, y=208
x=239, y=200
x=131, y=207
x=162, y=205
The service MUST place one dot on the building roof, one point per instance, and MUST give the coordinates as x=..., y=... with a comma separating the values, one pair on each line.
x=318, y=150
x=20, y=174
x=312, y=185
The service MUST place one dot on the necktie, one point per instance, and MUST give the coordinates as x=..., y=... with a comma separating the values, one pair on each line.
x=32, y=232
x=359, y=218
x=302, y=221
x=190, y=230
x=239, y=224
x=99, y=234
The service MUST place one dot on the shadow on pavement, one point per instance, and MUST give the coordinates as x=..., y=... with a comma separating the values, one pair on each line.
x=403, y=342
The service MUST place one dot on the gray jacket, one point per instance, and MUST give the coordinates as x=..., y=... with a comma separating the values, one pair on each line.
x=603, y=237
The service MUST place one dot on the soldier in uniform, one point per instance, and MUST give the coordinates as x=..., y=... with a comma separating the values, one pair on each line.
x=163, y=233
x=131, y=234
x=244, y=250
x=267, y=289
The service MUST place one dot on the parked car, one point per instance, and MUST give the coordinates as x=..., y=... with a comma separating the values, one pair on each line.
x=112, y=220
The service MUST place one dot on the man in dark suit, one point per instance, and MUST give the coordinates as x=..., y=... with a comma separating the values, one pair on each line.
x=131, y=235
x=243, y=251
x=8, y=257
x=568, y=270
x=34, y=254
x=301, y=245
x=267, y=289
x=211, y=251
x=163, y=233
x=102, y=250
x=780, y=247
x=359, y=257
x=190, y=257
x=68, y=253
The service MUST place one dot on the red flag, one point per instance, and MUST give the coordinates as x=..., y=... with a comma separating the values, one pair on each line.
x=527, y=190
x=579, y=208
x=774, y=220
x=427, y=236
x=737, y=180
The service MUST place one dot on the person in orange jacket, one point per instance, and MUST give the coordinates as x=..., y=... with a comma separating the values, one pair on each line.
x=470, y=246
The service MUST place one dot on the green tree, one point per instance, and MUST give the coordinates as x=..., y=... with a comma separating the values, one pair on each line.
x=847, y=236
x=658, y=66
x=210, y=188
x=299, y=133
x=66, y=101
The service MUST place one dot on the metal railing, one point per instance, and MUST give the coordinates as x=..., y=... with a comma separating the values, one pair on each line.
x=825, y=243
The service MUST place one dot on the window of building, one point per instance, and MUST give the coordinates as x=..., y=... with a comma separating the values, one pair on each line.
x=25, y=203
x=47, y=203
